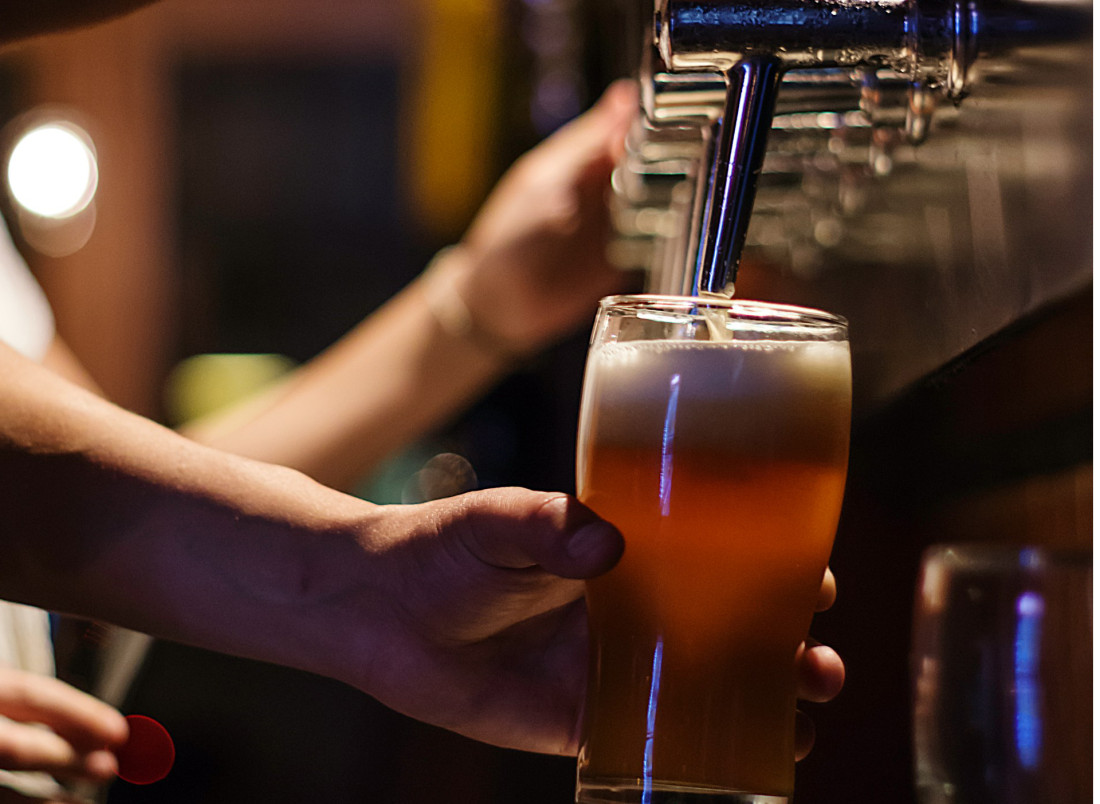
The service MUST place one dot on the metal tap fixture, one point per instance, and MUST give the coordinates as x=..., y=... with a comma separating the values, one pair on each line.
x=745, y=48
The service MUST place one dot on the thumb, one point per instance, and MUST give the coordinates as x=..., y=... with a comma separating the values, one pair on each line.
x=515, y=528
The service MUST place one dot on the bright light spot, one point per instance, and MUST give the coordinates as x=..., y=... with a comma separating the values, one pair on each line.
x=1028, y=682
x=52, y=170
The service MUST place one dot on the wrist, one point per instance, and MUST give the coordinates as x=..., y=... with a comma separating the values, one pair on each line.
x=446, y=293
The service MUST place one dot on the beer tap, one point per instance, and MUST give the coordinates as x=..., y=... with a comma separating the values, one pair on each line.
x=693, y=102
x=752, y=44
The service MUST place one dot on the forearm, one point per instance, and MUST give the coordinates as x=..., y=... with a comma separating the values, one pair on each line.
x=397, y=376
x=530, y=270
x=110, y=516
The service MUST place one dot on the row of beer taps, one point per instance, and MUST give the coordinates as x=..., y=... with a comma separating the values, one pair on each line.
x=767, y=104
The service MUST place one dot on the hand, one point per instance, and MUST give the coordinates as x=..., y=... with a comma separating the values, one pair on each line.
x=820, y=672
x=533, y=263
x=80, y=731
x=483, y=627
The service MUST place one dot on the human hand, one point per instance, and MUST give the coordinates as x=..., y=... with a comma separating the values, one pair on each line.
x=533, y=264
x=483, y=627
x=820, y=672
x=79, y=735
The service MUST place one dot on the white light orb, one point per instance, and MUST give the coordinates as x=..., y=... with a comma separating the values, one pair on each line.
x=52, y=170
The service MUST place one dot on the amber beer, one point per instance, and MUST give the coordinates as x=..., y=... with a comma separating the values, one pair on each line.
x=719, y=447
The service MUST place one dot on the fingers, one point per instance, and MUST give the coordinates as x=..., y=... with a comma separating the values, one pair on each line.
x=820, y=672
x=25, y=747
x=619, y=106
x=820, y=677
x=620, y=98
x=600, y=132
x=827, y=596
x=820, y=669
x=515, y=529
x=74, y=715
x=79, y=730
x=804, y=734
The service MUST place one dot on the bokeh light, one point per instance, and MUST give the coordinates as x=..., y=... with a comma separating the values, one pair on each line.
x=52, y=170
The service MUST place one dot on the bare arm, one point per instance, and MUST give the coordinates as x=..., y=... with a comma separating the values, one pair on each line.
x=530, y=270
x=465, y=613
x=102, y=506
x=393, y=378
x=81, y=729
x=60, y=359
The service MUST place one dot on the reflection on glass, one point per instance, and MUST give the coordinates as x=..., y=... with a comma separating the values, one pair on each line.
x=1002, y=676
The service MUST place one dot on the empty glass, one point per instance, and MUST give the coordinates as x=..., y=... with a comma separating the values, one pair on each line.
x=1002, y=650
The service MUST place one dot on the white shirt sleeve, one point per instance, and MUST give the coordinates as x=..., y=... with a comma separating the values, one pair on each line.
x=26, y=322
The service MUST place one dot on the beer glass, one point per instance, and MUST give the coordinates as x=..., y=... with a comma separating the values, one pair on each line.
x=1002, y=671
x=714, y=434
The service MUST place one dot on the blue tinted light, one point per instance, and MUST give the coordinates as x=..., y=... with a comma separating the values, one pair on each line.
x=666, y=444
x=1028, y=717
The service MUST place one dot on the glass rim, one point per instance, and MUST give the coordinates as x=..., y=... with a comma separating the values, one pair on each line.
x=746, y=309
x=979, y=556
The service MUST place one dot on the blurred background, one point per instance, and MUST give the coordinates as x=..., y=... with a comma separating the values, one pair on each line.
x=267, y=172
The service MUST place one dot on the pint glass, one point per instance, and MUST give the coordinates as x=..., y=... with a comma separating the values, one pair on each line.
x=714, y=434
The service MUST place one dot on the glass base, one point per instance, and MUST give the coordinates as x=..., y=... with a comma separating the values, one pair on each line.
x=613, y=792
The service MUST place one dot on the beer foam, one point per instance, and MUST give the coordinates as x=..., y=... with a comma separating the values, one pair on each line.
x=720, y=389
x=738, y=367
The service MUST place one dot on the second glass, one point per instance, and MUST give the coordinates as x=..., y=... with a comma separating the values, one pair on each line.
x=1002, y=673
x=714, y=434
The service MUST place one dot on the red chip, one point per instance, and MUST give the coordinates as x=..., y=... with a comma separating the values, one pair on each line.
x=149, y=753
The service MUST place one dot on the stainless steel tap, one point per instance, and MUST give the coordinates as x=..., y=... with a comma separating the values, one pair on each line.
x=730, y=66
